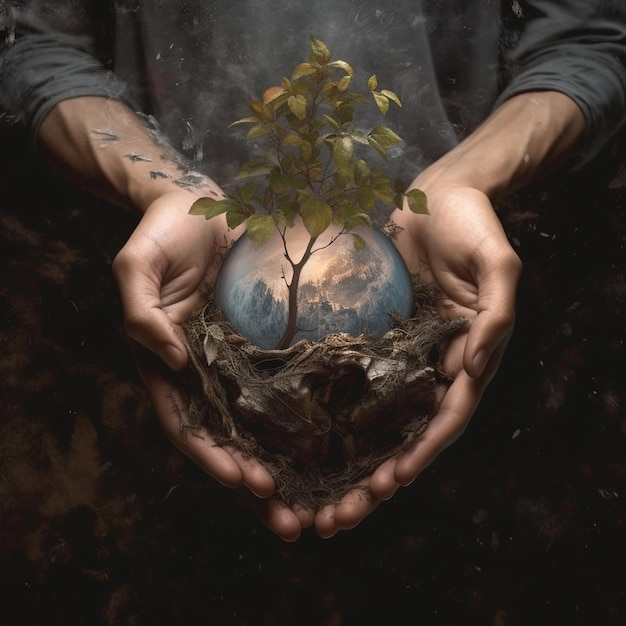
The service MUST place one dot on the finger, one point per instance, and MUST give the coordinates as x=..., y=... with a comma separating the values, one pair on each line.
x=197, y=445
x=445, y=428
x=280, y=519
x=305, y=516
x=355, y=507
x=255, y=476
x=139, y=281
x=493, y=325
x=383, y=483
x=324, y=522
x=346, y=514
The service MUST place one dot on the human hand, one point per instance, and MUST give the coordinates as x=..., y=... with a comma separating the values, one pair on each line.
x=225, y=464
x=160, y=272
x=462, y=247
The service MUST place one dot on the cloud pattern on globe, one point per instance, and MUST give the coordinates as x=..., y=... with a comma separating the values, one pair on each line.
x=341, y=289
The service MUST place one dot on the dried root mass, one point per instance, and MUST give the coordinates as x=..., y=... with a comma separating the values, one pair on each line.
x=322, y=415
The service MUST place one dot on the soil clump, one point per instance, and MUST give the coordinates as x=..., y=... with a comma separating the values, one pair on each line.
x=320, y=416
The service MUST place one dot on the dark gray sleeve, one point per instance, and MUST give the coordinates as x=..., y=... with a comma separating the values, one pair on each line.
x=40, y=67
x=577, y=47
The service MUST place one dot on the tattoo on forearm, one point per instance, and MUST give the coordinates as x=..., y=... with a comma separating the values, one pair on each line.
x=154, y=174
x=107, y=135
x=134, y=157
x=188, y=179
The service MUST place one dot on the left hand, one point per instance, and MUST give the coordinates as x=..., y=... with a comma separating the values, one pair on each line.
x=462, y=247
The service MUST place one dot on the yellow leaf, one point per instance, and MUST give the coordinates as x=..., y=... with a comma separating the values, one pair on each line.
x=346, y=67
x=303, y=69
x=344, y=83
x=382, y=102
x=392, y=95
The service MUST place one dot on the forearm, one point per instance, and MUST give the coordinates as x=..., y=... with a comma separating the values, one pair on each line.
x=525, y=139
x=104, y=147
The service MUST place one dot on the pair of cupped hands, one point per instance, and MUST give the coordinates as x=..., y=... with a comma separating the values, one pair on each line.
x=460, y=245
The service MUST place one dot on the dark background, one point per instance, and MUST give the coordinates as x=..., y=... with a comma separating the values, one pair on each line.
x=102, y=521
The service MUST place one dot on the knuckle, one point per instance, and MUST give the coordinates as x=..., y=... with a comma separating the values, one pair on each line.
x=134, y=324
x=122, y=262
x=514, y=263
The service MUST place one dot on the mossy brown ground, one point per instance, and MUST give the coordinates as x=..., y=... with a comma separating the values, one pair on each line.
x=322, y=415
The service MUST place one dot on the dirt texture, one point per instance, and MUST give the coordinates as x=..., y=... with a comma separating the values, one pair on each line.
x=320, y=416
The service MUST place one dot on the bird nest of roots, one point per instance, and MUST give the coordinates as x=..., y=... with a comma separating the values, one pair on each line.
x=319, y=416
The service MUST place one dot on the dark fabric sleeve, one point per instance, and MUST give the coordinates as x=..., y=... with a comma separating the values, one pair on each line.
x=40, y=67
x=577, y=47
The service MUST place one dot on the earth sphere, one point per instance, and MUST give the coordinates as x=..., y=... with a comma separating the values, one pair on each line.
x=341, y=288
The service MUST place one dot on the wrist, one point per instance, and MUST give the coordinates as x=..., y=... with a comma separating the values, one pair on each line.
x=527, y=138
x=103, y=146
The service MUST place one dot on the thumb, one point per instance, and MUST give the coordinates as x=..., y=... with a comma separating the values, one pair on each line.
x=493, y=325
x=145, y=321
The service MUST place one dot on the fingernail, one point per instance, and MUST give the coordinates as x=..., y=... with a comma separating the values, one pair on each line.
x=480, y=362
x=171, y=355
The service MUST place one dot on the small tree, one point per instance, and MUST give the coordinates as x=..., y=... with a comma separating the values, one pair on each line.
x=312, y=168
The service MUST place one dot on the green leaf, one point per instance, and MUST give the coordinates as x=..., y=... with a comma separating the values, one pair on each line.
x=358, y=241
x=343, y=150
x=286, y=212
x=382, y=102
x=384, y=136
x=359, y=136
x=279, y=181
x=352, y=215
x=383, y=191
x=372, y=83
x=331, y=121
x=316, y=215
x=209, y=207
x=366, y=197
x=319, y=51
x=361, y=172
x=201, y=206
x=297, y=105
x=245, y=120
x=346, y=114
x=380, y=149
x=260, y=227
x=256, y=167
x=235, y=217
x=260, y=111
x=292, y=139
x=417, y=201
x=259, y=131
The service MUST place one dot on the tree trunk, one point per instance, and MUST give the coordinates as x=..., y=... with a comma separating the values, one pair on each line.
x=292, y=307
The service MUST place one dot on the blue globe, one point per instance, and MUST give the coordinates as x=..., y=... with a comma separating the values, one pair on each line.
x=340, y=289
